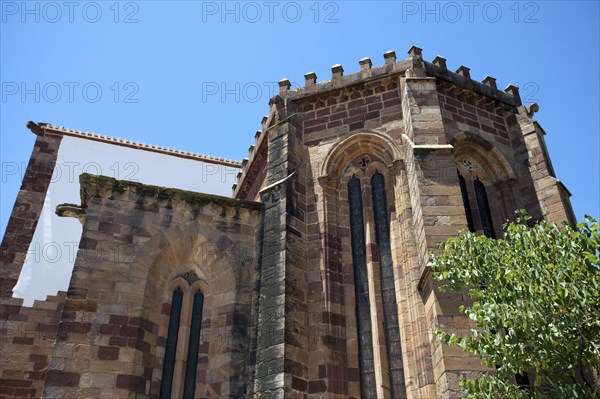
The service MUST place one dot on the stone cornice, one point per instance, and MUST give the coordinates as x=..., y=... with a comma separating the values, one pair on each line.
x=108, y=187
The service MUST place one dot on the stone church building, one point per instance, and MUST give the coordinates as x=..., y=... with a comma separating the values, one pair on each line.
x=311, y=280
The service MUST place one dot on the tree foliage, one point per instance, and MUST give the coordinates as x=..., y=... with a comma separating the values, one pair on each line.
x=535, y=309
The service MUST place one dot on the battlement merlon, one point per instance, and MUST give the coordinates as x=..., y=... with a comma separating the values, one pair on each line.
x=367, y=73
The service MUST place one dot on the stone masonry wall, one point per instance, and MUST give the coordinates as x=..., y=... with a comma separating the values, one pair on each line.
x=26, y=211
x=279, y=317
x=137, y=240
x=27, y=334
x=427, y=120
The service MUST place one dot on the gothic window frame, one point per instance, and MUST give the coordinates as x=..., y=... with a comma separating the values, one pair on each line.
x=183, y=374
x=475, y=192
x=380, y=349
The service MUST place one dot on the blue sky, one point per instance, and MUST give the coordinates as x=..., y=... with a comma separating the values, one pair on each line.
x=198, y=75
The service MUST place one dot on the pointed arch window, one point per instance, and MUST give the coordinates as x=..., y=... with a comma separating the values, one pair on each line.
x=171, y=346
x=388, y=290
x=361, y=290
x=473, y=191
x=484, y=209
x=172, y=375
x=381, y=223
x=465, y=198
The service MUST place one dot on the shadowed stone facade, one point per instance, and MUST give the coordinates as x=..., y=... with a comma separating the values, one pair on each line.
x=313, y=275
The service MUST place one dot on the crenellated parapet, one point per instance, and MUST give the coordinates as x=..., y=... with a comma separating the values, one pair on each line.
x=252, y=165
x=367, y=72
x=484, y=93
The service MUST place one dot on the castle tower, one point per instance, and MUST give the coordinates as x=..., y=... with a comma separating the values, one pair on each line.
x=361, y=176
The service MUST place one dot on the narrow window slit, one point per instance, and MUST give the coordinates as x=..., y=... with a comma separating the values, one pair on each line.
x=466, y=203
x=192, y=354
x=388, y=291
x=171, y=346
x=361, y=288
x=484, y=209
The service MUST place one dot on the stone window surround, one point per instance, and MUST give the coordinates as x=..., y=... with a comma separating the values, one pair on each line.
x=184, y=328
x=357, y=168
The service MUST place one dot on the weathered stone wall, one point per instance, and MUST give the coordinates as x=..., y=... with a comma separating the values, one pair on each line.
x=27, y=210
x=27, y=337
x=279, y=317
x=27, y=334
x=417, y=122
x=137, y=242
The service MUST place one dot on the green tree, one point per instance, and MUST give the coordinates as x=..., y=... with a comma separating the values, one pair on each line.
x=535, y=309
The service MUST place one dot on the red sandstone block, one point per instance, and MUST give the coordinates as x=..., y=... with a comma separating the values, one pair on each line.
x=37, y=375
x=320, y=103
x=108, y=353
x=338, y=115
x=472, y=123
x=131, y=383
x=148, y=373
x=500, y=126
x=9, y=392
x=299, y=384
x=131, y=332
x=317, y=386
x=82, y=305
x=310, y=115
x=357, y=125
x=166, y=309
x=332, y=101
x=323, y=112
x=356, y=103
x=77, y=293
x=372, y=115
x=119, y=320
x=314, y=129
x=389, y=95
x=7, y=257
x=322, y=371
x=10, y=382
x=73, y=328
x=139, y=345
x=356, y=94
x=10, y=309
x=393, y=101
x=62, y=378
x=38, y=358
x=143, y=323
x=161, y=341
x=353, y=374
x=488, y=129
x=109, y=227
x=379, y=89
x=40, y=366
x=23, y=340
x=314, y=122
x=375, y=106
x=25, y=392
x=88, y=243
x=119, y=341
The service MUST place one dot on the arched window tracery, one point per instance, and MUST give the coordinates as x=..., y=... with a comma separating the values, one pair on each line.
x=183, y=338
x=487, y=186
x=368, y=210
